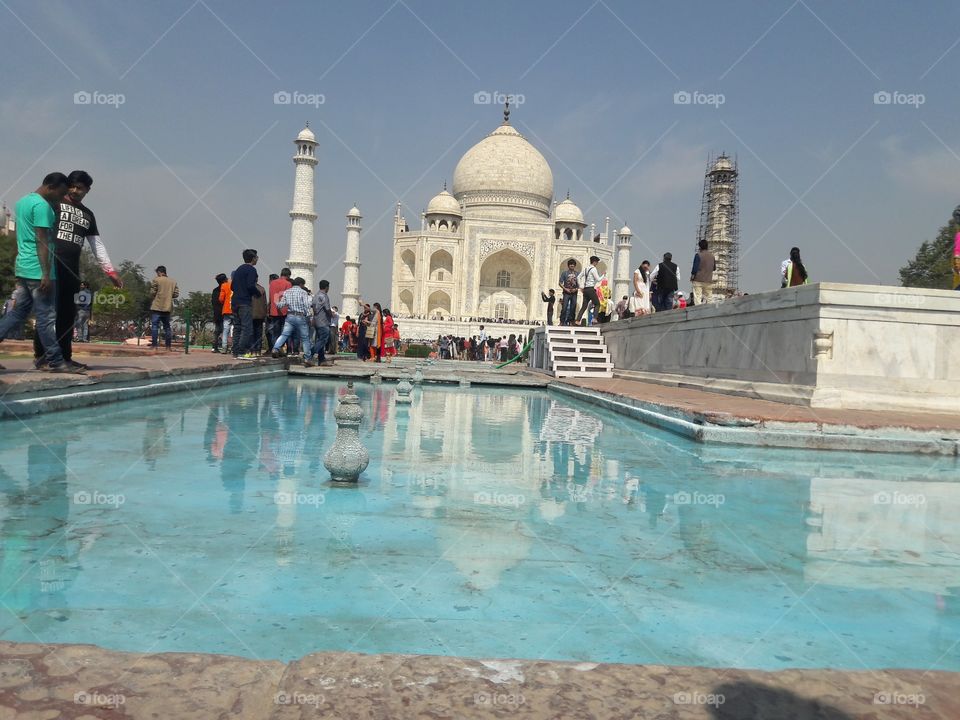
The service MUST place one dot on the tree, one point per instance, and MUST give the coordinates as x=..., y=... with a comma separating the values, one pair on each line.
x=201, y=314
x=113, y=311
x=8, y=254
x=932, y=266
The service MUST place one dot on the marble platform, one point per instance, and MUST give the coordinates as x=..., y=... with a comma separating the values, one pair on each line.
x=827, y=345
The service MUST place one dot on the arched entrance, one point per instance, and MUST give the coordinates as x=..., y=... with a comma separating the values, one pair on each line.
x=505, y=280
x=438, y=304
x=408, y=265
x=441, y=266
x=406, y=302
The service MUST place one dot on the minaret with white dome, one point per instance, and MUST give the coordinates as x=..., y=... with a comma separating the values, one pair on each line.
x=302, y=216
x=351, y=266
x=623, y=281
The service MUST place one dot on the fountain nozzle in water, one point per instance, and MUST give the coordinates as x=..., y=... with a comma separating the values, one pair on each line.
x=347, y=457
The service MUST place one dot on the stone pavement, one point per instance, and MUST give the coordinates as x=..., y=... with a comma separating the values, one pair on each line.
x=87, y=682
x=124, y=374
x=714, y=406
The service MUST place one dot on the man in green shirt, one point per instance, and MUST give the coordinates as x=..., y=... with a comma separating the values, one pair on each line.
x=36, y=290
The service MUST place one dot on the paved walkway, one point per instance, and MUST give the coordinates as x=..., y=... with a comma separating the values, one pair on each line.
x=713, y=406
x=106, y=362
x=86, y=682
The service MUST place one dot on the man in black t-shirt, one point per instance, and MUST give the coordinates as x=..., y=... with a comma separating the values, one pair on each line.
x=76, y=225
x=665, y=275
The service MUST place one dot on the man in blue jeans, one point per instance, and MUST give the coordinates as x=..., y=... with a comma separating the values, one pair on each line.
x=34, y=271
x=570, y=284
x=163, y=291
x=322, y=316
x=244, y=286
x=297, y=301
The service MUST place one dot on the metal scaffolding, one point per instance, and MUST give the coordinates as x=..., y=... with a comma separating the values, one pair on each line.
x=720, y=221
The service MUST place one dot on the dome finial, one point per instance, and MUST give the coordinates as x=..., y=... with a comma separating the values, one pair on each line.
x=444, y=185
x=568, y=193
x=308, y=123
x=506, y=111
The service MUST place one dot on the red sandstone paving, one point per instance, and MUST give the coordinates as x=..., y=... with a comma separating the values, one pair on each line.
x=699, y=401
x=84, y=682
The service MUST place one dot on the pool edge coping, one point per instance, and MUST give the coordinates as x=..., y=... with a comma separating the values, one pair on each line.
x=780, y=435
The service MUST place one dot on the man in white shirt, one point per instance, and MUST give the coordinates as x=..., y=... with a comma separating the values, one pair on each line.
x=591, y=279
x=482, y=348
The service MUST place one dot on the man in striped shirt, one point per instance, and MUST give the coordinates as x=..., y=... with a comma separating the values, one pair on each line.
x=298, y=303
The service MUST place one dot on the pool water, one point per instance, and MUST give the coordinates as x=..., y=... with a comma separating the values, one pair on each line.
x=490, y=523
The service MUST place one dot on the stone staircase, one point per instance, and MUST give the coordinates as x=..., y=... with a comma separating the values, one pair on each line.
x=577, y=352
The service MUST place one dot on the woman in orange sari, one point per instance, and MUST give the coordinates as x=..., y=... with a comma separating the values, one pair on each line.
x=388, y=349
x=375, y=332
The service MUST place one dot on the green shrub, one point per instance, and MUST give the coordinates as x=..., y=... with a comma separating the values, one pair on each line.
x=418, y=351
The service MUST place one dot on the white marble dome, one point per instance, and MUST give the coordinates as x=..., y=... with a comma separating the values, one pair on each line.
x=444, y=204
x=625, y=231
x=568, y=212
x=354, y=212
x=307, y=134
x=504, y=168
x=723, y=163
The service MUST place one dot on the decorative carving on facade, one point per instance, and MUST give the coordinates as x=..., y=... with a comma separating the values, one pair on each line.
x=488, y=247
x=823, y=345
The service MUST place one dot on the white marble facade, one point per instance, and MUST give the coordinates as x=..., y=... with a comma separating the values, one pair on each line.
x=489, y=248
x=826, y=345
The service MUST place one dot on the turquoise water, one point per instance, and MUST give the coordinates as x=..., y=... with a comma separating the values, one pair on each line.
x=490, y=523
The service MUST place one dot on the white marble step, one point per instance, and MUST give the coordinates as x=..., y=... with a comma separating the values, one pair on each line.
x=584, y=373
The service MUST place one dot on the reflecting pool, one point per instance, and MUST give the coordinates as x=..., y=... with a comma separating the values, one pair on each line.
x=491, y=522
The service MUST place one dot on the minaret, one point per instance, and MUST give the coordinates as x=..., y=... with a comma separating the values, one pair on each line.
x=720, y=223
x=351, y=266
x=622, y=283
x=302, y=215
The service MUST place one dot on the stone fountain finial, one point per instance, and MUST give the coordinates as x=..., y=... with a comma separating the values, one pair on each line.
x=347, y=457
x=404, y=388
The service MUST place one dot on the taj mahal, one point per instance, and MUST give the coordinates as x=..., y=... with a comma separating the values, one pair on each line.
x=484, y=251
x=492, y=245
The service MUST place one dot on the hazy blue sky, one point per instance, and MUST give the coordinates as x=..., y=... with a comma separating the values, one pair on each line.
x=195, y=164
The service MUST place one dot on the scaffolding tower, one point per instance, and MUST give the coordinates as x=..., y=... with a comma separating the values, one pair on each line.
x=720, y=222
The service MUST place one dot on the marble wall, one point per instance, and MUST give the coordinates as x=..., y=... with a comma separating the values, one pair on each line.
x=824, y=345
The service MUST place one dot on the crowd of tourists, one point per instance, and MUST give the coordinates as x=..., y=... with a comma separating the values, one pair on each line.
x=480, y=347
x=293, y=320
x=654, y=289
x=286, y=317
